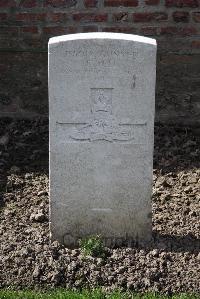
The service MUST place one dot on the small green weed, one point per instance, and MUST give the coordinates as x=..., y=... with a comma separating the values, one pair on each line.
x=93, y=246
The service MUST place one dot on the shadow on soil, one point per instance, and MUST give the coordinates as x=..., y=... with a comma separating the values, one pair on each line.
x=188, y=243
x=176, y=148
x=23, y=149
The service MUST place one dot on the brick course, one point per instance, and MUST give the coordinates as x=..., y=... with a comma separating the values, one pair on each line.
x=26, y=26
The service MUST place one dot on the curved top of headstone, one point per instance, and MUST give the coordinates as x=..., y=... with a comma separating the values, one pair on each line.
x=102, y=35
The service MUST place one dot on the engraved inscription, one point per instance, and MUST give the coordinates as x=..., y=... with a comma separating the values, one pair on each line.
x=98, y=59
x=122, y=51
x=104, y=125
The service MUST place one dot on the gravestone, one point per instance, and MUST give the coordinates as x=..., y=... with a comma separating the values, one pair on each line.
x=101, y=106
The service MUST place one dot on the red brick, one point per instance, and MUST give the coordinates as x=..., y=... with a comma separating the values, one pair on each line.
x=188, y=31
x=170, y=59
x=60, y=3
x=195, y=44
x=196, y=17
x=152, y=2
x=169, y=30
x=7, y=3
x=181, y=3
x=57, y=17
x=3, y=16
x=120, y=17
x=116, y=3
x=3, y=68
x=28, y=3
x=90, y=17
x=90, y=3
x=178, y=31
x=71, y=29
x=149, y=30
x=54, y=30
x=31, y=41
x=59, y=30
x=29, y=17
x=148, y=17
x=29, y=29
x=120, y=29
x=9, y=31
x=90, y=28
x=181, y=16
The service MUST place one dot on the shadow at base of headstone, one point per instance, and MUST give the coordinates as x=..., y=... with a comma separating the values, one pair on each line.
x=176, y=243
x=164, y=242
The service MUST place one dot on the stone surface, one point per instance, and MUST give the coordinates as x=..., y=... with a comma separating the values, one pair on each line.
x=101, y=105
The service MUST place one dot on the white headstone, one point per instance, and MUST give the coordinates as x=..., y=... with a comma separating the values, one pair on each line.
x=101, y=106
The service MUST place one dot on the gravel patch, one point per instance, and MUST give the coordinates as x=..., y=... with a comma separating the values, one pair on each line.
x=170, y=263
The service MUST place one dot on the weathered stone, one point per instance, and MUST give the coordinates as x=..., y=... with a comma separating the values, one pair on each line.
x=101, y=103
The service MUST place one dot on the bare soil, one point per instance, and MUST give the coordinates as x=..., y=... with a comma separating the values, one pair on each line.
x=170, y=263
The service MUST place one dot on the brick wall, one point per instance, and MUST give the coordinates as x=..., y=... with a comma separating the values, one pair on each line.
x=26, y=26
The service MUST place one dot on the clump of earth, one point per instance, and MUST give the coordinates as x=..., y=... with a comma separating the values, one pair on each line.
x=170, y=263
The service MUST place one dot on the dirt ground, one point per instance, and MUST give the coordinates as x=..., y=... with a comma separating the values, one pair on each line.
x=169, y=264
